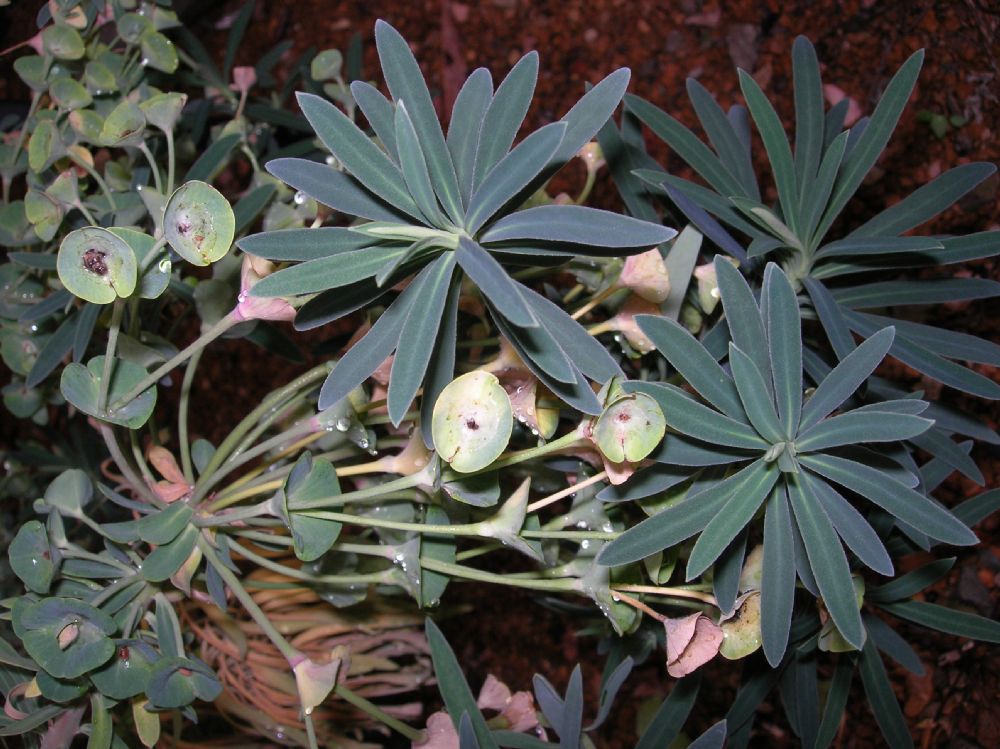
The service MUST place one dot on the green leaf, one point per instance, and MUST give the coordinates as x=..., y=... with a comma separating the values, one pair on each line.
x=418, y=334
x=945, y=619
x=331, y=272
x=67, y=637
x=828, y=562
x=358, y=154
x=491, y=278
x=464, y=130
x=165, y=560
x=816, y=192
x=380, y=114
x=579, y=224
x=973, y=511
x=911, y=583
x=406, y=84
x=851, y=526
x=678, y=522
x=629, y=428
x=212, y=160
x=589, y=114
x=101, y=728
x=777, y=585
x=512, y=173
x=784, y=341
x=873, y=140
x=127, y=673
x=845, y=378
x=892, y=496
x=81, y=386
x=439, y=549
x=689, y=417
x=166, y=525
x=176, y=682
x=723, y=137
x=454, y=689
x=836, y=701
x=198, y=223
x=309, y=480
x=250, y=205
x=882, y=700
x=743, y=317
x=472, y=421
x=669, y=718
x=441, y=369
x=927, y=201
x=693, y=362
x=366, y=355
x=942, y=342
x=808, y=114
x=54, y=351
x=304, y=244
x=731, y=518
x=867, y=246
x=96, y=265
x=505, y=114
x=158, y=52
x=891, y=293
x=855, y=427
x=779, y=153
x=756, y=400
x=414, y=167
x=31, y=557
x=686, y=144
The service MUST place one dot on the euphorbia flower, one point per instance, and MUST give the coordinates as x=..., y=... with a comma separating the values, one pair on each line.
x=174, y=484
x=254, y=307
x=646, y=275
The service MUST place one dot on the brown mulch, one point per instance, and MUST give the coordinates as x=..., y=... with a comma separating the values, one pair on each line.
x=861, y=43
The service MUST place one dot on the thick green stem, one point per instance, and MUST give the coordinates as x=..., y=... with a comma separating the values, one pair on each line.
x=171, y=166
x=137, y=484
x=157, y=179
x=197, y=345
x=182, y=417
x=109, y=354
x=458, y=570
x=94, y=175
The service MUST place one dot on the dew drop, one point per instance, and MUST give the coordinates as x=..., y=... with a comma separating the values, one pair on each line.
x=585, y=544
x=300, y=198
x=165, y=265
x=144, y=62
x=242, y=297
x=363, y=443
x=343, y=424
x=331, y=161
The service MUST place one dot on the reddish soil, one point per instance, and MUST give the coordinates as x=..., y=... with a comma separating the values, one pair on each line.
x=861, y=42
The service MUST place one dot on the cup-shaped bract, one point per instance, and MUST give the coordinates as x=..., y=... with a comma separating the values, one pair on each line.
x=472, y=421
x=629, y=428
x=199, y=223
x=96, y=265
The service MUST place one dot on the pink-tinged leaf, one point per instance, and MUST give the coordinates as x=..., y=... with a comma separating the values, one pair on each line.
x=62, y=730
x=646, y=275
x=440, y=733
x=250, y=307
x=692, y=641
x=316, y=680
x=494, y=695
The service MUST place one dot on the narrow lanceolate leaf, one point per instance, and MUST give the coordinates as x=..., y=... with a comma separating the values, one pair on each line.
x=466, y=125
x=776, y=144
x=808, y=114
x=670, y=716
x=326, y=272
x=440, y=372
x=379, y=112
x=882, y=700
x=723, y=137
x=333, y=188
x=454, y=689
x=505, y=114
x=364, y=357
x=414, y=166
x=418, y=335
x=892, y=496
x=491, y=278
x=892, y=644
x=696, y=365
x=828, y=562
x=854, y=428
x=911, y=583
x=816, y=192
x=406, y=84
x=945, y=619
x=303, y=244
x=784, y=341
x=941, y=446
x=358, y=154
x=686, y=144
x=743, y=317
x=589, y=114
x=512, y=173
x=891, y=293
x=578, y=224
x=851, y=526
x=876, y=134
x=756, y=400
x=949, y=343
x=836, y=701
x=679, y=522
x=581, y=347
x=689, y=417
x=926, y=202
x=869, y=246
x=731, y=519
x=846, y=377
x=777, y=585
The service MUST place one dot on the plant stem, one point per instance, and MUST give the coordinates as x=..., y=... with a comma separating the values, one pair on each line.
x=94, y=175
x=672, y=592
x=336, y=500
x=567, y=492
x=109, y=354
x=182, y=417
x=376, y=712
x=157, y=179
x=594, y=301
x=458, y=570
x=636, y=604
x=170, y=161
x=138, y=486
x=198, y=344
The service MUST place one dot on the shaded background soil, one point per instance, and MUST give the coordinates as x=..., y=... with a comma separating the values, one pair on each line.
x=860, y=43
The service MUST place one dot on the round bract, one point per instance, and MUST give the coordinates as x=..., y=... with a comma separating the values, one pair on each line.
x=630, y=428
x=97, y=266
x=199, y=223
x=472, y=421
